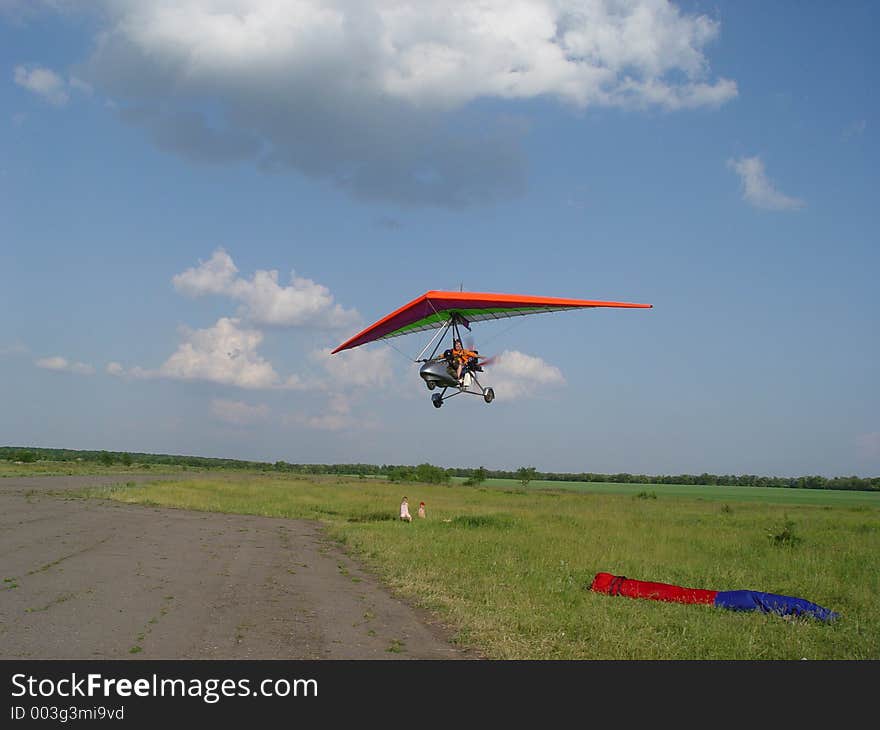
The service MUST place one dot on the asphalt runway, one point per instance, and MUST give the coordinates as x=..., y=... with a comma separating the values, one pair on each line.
x=95, y=579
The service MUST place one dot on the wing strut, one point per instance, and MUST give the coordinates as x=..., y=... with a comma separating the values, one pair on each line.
x=439, y=334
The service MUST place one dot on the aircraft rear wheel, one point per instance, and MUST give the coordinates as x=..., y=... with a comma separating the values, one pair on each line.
x=437, y=400
x=489, y=395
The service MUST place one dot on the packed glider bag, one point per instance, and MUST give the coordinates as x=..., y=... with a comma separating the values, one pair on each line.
x=618, y=585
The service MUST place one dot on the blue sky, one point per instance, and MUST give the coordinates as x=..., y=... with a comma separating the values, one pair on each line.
x=159, y=161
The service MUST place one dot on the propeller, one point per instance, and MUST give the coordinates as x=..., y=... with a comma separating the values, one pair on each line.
x=470, y=345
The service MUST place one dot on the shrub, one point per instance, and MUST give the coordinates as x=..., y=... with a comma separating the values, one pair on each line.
x=525, y=474
x=785, y=537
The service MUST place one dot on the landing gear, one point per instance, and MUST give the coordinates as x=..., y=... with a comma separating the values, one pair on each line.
x=437, y=400
x=488, y=395
x=431, y=384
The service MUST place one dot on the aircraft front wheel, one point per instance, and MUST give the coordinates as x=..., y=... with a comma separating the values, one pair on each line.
x=489, y=395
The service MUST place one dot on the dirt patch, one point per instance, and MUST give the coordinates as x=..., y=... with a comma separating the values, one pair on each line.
x=93, y=579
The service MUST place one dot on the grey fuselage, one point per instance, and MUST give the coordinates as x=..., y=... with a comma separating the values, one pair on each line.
x=439, y=372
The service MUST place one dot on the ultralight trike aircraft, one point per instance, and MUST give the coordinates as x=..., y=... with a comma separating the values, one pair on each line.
x=448, y=311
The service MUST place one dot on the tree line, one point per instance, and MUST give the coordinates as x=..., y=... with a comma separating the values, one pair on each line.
x=432, y=474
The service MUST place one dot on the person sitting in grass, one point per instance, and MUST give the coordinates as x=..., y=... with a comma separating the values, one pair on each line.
x=421, y=511
x=404, y=511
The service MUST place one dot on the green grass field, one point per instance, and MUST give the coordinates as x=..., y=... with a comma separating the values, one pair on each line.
x=509, y=568
x=776, y=495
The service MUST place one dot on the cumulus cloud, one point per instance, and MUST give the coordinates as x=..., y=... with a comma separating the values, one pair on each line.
x=62, y=364
x=239, y=413
x=515, y=374
x=355, y=368
x=43, y=82
x=221, y=354
x=365, y=94
x=225, y=354
x=757, y=188
x=263, y=300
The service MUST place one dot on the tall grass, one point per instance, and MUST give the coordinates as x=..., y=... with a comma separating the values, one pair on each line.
x=510, y=569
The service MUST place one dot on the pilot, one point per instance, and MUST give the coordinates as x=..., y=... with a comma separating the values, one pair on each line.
x=463, y=358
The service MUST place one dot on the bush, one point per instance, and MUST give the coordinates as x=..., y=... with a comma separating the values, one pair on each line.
x=785, y=537
x=478, y=476
x=431, y=474
x=525, y=474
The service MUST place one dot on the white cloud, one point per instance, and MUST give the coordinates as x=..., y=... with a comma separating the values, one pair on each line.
x=52, y=363
x=757, y=188
x=239, y=413
x=515, y=374
x=62, y=364
x=437, y=54
x=595, y=53
x=362, y=93
x=222, y=354
x=355, y=368
x=225, y=354
x=214, y=276
x=43, y=82
x=264, y=301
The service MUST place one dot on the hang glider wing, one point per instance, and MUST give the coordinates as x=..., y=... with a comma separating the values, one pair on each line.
x=744, y=600
x=434, y=309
